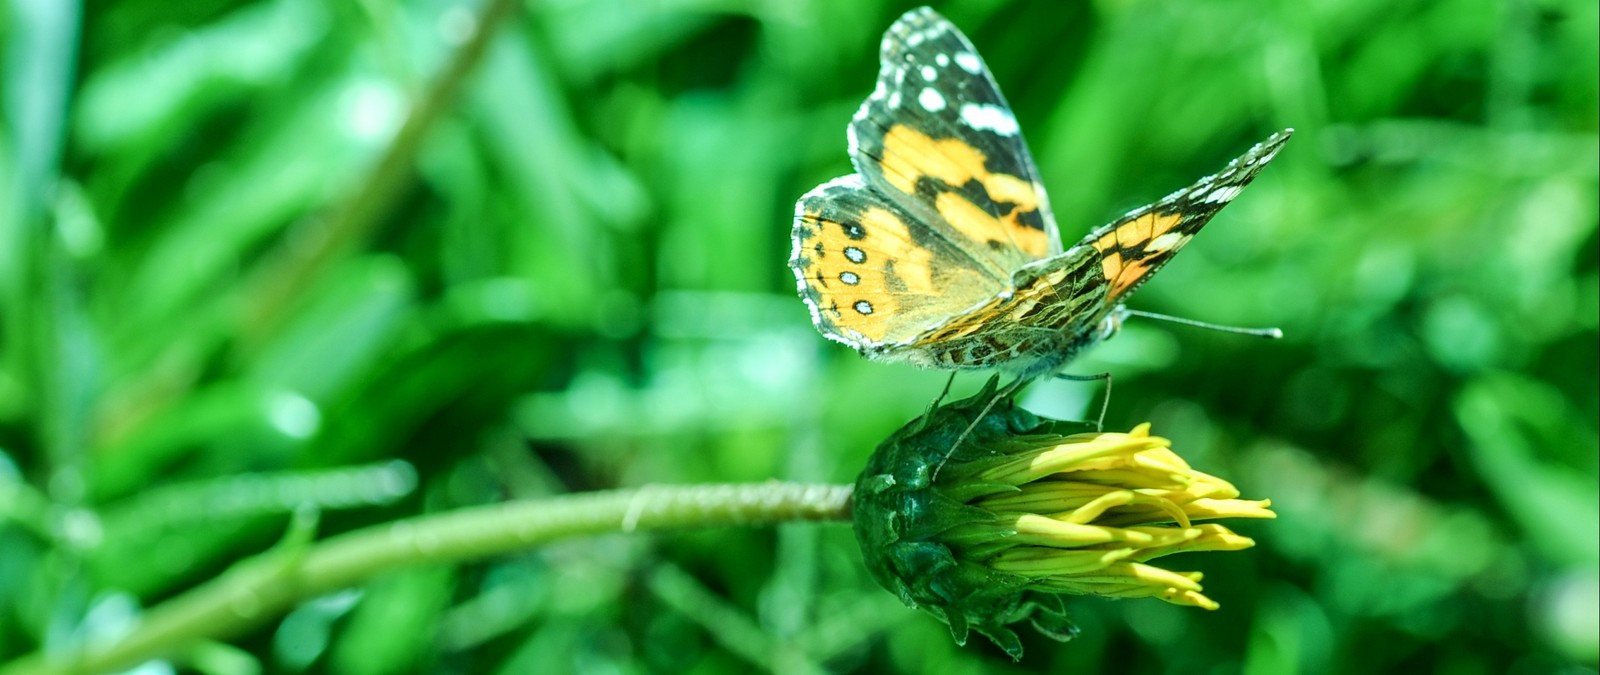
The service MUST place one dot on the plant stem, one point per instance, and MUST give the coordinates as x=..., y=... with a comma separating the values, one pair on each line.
x=270, y=290
x=266, y=586
x=280, y=280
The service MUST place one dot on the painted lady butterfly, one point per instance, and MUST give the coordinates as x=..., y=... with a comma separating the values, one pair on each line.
x=941, y=249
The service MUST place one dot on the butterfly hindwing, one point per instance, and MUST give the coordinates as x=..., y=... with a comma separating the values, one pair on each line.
x=1134, y=246
x=871, y=273
x=937, y=137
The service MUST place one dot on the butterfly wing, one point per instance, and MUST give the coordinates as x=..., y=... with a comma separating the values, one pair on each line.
x=871, y=274
x=1134, y=246
x=943, y=209
x=942, y=248
x=1062, y=305
x=937, y=137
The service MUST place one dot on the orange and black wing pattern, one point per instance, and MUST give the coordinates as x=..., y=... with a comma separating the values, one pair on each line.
x=1134, y=246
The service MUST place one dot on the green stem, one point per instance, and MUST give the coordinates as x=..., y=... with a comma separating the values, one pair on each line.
x=280, y=281
x=265, y=587
x=282, y=277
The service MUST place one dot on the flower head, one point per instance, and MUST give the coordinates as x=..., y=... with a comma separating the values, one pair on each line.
x=990, y=532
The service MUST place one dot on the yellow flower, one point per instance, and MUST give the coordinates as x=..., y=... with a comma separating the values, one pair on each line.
x=988, y=533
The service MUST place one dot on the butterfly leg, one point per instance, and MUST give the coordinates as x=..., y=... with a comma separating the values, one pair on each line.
x=940, y=398
x=1005, y=392
x=1105, y=398
x=927, y=417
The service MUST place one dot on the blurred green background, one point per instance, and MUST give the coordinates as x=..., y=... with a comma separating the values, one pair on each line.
x=233, y=283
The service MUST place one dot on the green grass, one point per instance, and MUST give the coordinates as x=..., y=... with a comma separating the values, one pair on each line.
x=262, y=257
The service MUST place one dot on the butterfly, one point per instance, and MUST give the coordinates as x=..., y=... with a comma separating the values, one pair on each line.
x=941, y=249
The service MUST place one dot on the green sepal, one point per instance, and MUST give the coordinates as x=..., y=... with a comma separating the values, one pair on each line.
x=966, y=492
x=914, y=526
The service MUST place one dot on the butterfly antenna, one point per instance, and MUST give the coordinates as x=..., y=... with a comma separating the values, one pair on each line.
x=1105, y=398
x=1268, y=333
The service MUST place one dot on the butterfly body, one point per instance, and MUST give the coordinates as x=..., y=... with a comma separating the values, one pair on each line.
x=941, y=250
x=1046, y=318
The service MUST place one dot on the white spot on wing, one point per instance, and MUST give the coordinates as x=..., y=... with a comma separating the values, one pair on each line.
x=929, y=74
x=1222, y=194
x=931, y=100
x=990, y=117
x=969, y=62
x=1166, y=242
x=942, y=59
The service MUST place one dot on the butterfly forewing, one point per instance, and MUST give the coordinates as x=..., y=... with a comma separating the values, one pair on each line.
x=938, y=138
x=1134, y=246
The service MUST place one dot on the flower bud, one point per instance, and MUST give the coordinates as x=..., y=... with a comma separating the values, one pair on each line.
x=989, y=532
